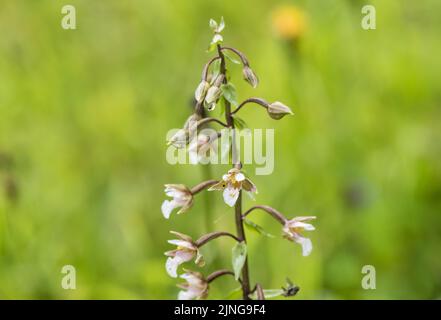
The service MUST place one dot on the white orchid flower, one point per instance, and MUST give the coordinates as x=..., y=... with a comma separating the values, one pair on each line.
x=196, y=286
x=186, y=250
x=231, y=184
x=292, y=231
x=182, y=198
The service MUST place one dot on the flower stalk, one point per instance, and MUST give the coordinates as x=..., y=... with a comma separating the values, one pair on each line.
x=215, y=87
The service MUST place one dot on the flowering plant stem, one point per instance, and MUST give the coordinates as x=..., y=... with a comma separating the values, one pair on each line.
x=236, y=164
x=213, y=88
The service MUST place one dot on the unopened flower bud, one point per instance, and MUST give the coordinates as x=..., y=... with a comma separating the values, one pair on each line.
x=179, y=139
x=250, y=76
x=183, y=136
x=278, y=110
x=213, y=94
x=201, y=91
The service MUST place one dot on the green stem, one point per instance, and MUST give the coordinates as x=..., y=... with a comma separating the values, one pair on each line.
x=245, y=282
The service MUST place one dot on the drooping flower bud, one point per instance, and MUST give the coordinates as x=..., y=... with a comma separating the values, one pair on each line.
x=179, y=139
x=250, y=76
x=183, y=136
x=213, y=95
x=278, y=110
x=214, y=92
x=201, y=91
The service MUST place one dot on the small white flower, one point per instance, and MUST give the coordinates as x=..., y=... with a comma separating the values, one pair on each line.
x=278, y=110
x=292, y=231
x=196, y=286
x=182, y=198
x=231, y=184
x=186, y=250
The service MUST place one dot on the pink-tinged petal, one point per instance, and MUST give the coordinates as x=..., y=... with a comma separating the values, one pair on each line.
x=182, y=236
x=182, y=243
x=167, y=207
x=226, y=177
x=306, y=245
x=230, y=196
x=184, y=256
x=171, y=253
x=186, y=204
x=302, y=225
x=171, y=265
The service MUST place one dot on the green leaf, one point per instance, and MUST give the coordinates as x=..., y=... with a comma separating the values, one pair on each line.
x=233, y=60
x=255, y=227
x=239, y=257
x=239, y=123
x=229, y=92
x=269, y=293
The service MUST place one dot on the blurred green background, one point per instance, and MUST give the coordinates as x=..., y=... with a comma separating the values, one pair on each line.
x=83, y=119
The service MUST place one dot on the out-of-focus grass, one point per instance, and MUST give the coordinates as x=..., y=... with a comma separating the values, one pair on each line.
x=83, y=118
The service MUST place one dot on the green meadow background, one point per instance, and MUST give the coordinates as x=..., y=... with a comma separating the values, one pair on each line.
x=83, y=119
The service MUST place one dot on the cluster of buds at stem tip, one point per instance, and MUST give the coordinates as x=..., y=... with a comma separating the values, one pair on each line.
x=214, y=92
x=186, y=250
x=231, y=184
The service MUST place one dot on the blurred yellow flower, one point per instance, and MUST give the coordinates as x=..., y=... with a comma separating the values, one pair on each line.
x=289, y=22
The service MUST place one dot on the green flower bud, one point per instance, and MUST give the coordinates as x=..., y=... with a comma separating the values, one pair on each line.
x=201, y=91
x=250, y=76
x=278, y=110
